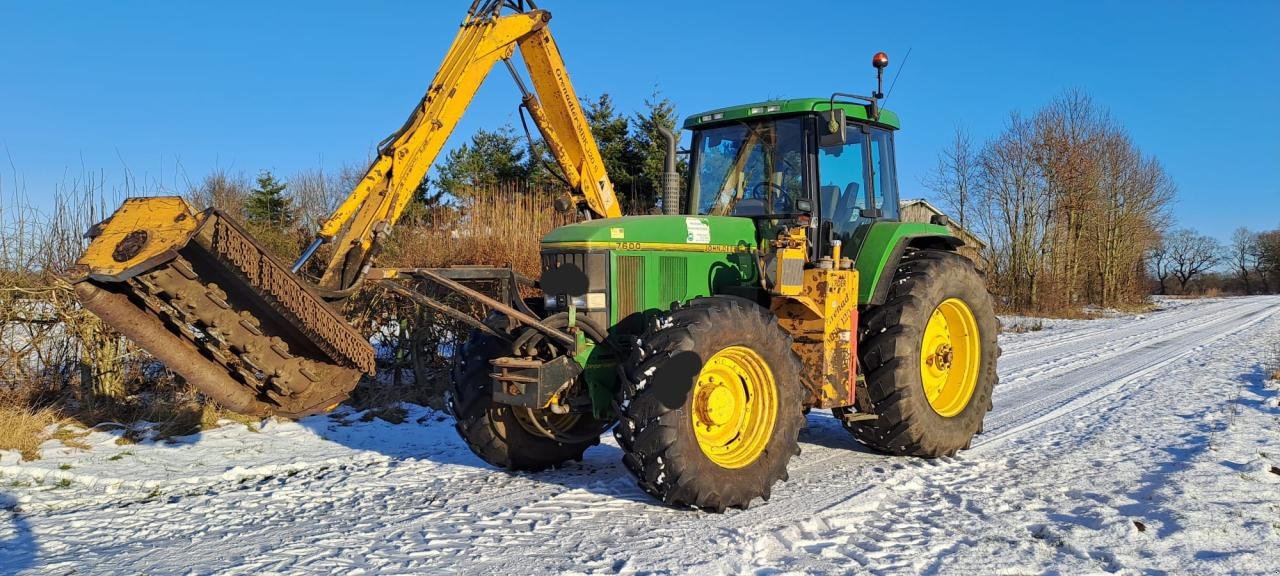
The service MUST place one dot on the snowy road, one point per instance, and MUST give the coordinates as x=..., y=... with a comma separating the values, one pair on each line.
x=1129, y=444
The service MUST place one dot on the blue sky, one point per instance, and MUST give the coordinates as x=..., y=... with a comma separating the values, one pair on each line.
x=171, y=90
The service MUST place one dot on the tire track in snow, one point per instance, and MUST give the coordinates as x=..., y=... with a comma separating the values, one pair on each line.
x=839, y=465
x=801, y=505
x=842, y=510
x=1031, y=406
x=1108, y=342
x=914, y=508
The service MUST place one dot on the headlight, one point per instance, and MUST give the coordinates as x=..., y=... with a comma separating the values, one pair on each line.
x=588, y=301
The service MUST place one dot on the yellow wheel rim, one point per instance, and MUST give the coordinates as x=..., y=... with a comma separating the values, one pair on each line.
x=949, y=357
x=735, y=404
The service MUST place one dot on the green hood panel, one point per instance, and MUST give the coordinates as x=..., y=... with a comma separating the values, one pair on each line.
x=692, y=233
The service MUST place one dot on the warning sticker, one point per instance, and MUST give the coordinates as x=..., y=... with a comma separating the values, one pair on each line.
x=617, y=233
x=699, y=232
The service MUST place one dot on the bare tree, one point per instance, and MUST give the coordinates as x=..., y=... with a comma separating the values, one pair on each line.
x=1160, y=266
x=954, y=180
x=1016, y=211
x=1244, y=255
x=1192, y=254
x=1267, y=266
x=316, y=193
x=222, y=190
x=1067, y=203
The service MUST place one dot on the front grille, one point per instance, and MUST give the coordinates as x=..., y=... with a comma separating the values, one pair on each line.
x=554, y=259
x=674, y=272
x=594, y=264
x=630, y=285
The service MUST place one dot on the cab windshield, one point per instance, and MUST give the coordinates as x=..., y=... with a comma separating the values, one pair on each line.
x=749, y=168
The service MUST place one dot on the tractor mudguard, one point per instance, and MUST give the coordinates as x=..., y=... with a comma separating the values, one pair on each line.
x=883, y=247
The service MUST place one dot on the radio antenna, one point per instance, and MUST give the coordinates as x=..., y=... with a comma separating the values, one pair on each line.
x=897, y=73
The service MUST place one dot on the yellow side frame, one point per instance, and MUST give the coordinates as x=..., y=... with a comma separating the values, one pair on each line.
x=822, y=320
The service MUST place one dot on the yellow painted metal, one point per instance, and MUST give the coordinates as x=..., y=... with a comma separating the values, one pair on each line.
x=735, y=182
x=735, y=406
x=563, y=124
x=950, y=354
x=821, y=321
x=158, y=226
x=388, y=185
x=791, y=254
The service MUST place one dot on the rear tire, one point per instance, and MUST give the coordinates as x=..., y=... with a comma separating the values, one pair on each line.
x=495, y=432
x=710, y=405
x=937, y=299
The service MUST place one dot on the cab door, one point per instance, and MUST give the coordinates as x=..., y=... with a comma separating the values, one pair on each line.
x=844, y=175
x=857, y=186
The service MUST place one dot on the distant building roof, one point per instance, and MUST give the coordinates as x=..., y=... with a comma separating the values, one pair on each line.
x=968, y=236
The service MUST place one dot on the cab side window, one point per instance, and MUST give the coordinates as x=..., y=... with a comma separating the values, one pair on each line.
x=842, y=185
x=883, y=174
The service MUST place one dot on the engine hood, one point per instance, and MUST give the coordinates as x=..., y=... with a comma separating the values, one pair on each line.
x=657, y=232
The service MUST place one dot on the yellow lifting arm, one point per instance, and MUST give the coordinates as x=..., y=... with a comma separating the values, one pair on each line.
x=486, y=36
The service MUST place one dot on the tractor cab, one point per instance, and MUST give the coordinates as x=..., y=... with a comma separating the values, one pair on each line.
x=780, y=162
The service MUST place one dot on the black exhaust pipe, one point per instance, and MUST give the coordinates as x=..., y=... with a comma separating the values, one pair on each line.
x=670, y=177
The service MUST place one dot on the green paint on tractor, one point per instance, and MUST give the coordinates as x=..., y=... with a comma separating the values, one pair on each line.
x=879, y=247
x=658, y=261
x=641, y=266
x=723, y=233
x=853, y=111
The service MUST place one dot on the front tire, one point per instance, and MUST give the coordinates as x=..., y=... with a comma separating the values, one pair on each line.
x=511, y=437
x=929, y=359
x=711, y=405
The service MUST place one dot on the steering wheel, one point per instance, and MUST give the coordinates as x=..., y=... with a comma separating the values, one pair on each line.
x=781, y=203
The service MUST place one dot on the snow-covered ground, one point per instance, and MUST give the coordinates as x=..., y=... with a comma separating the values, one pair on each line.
x=1133, y=444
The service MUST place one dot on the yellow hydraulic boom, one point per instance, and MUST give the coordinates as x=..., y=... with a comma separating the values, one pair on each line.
x=486, y=36
x=196, y=291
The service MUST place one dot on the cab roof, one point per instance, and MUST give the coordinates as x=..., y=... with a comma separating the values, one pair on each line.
x=854, y=110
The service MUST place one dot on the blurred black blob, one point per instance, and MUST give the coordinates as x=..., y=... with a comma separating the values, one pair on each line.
x=566, y=278
x=674, y=378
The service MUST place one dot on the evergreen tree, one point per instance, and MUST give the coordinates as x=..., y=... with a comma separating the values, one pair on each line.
x=490, y=158
x=631, y=147
x=267, y=203
x=622, y=161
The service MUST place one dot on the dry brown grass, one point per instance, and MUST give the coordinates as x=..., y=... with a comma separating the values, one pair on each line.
x=1143, y=307
x=24, y=428
x=27, y=421
x=497, y=227
x=491, y=227
x=71, y=436
x=180, y=415
x=1061, y=313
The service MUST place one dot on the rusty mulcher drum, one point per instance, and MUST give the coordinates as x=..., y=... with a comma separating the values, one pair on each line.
x=235, y=323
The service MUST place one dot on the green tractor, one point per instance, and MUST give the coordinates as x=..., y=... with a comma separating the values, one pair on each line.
x=781, y=280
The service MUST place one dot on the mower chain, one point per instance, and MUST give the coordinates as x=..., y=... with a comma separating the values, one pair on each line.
x=234, y=339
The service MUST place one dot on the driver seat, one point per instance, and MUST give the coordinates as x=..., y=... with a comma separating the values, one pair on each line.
x=843, y=219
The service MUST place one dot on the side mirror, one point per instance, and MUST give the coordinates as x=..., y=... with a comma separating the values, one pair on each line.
x=831, y=128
